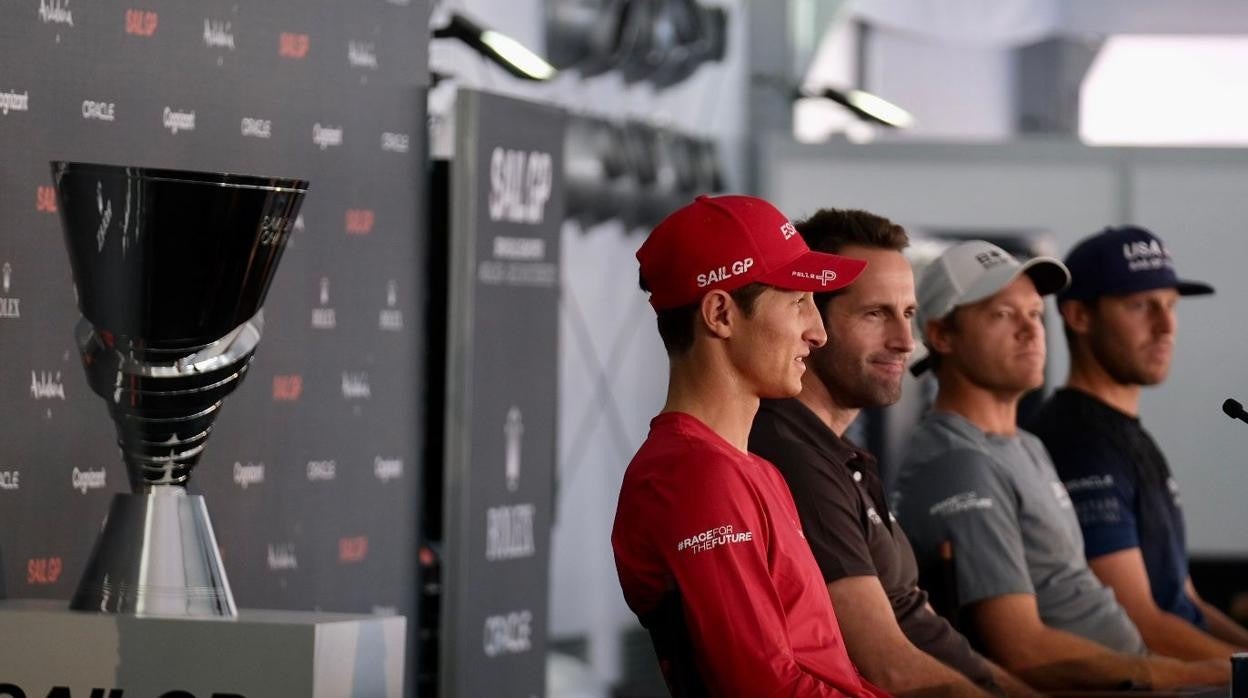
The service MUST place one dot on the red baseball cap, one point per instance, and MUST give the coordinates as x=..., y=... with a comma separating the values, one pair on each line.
x=726, y=242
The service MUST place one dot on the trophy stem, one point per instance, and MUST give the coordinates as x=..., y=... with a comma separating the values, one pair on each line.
x=157, y=556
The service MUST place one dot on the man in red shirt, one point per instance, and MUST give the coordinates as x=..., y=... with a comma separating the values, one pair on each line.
x=707, y=541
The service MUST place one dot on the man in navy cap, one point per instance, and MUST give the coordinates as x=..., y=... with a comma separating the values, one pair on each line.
x=1120, y=320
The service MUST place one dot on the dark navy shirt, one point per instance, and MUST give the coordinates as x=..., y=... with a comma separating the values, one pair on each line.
x=1122, y=488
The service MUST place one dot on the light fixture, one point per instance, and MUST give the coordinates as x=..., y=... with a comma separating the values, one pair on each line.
x=866, y=106
x=509, y=54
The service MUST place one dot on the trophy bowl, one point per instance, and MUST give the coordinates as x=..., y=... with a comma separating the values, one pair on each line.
x=171, y=269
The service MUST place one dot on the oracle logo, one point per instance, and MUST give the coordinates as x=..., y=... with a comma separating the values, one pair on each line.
x=99, y=111
x=256, y=128
x=141, y=22
x=291, y=45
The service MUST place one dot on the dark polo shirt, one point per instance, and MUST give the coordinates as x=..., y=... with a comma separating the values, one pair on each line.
x=1122, y=490
x=840, y=500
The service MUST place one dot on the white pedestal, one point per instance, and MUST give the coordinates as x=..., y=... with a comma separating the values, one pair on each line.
x=260, y=654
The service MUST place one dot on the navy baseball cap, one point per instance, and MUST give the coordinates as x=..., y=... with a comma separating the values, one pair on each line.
x=1123, y=260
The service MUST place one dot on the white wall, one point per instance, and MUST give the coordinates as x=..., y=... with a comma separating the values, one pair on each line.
x=1193, y=199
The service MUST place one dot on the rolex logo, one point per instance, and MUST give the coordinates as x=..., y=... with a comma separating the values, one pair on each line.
x=324, y=317
x=391, y=318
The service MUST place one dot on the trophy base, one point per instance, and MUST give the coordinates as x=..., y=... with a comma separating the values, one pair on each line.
x=157, y=556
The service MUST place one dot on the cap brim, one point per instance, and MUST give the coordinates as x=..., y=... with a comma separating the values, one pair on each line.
x=817, y=272
x=1193, y=288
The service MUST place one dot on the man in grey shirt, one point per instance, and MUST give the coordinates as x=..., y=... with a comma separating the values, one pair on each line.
x=976, y=486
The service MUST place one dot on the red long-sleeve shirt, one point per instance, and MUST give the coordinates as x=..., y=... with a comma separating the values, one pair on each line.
x=699, y=516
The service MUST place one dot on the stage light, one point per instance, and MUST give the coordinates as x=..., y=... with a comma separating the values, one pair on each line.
x=509, y=54
x=866, y=106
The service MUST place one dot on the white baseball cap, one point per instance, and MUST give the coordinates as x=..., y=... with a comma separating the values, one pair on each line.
x=974, y=270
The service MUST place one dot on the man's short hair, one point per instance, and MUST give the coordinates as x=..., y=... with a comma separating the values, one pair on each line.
x=676, y=324
x=833, y=229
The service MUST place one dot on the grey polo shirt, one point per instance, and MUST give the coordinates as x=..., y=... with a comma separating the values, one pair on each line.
x=999, y=501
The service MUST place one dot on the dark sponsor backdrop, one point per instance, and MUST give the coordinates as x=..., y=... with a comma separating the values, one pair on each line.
x=507, y=208
x=311, y=473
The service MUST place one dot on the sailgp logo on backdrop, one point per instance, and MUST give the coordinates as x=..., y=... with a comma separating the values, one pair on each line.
x=520, y=185
x=45, y=200
x=292, y=45
x=141, y=22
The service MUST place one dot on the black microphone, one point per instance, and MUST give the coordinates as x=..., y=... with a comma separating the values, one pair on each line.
x=1234, y=410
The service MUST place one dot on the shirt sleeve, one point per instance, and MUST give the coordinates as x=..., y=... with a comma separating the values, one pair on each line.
x=829, y=509
x=1102, y=486
x=968, y=504
x=735, y=616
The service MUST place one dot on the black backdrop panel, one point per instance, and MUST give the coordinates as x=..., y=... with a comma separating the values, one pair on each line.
x=311, y=475
x=506, y=212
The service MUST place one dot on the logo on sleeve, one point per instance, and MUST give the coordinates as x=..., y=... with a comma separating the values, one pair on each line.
x=712, y=538
x=965, y=501
x=1090, y=483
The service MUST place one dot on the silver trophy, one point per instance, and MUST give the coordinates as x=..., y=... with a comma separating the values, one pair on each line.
x=171, y=270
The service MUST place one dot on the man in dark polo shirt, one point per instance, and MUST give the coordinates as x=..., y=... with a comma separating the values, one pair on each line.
x=1120, y=322
x=892, y=635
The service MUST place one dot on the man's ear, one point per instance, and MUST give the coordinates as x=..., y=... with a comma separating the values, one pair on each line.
x=1076, y=314
x=939, y=336
x=718, y=313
